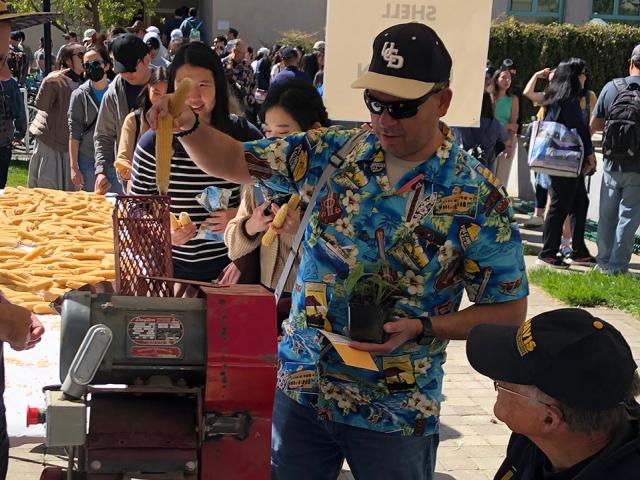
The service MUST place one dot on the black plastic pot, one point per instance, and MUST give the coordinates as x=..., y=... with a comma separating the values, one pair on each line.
x=366, y=322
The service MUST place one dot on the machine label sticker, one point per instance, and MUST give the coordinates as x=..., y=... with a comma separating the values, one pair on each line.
x=155, y=330
x=155, y=352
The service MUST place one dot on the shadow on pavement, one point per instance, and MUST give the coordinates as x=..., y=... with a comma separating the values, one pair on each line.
x=447, y=433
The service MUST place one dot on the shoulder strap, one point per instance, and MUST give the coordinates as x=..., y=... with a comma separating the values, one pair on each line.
x=336, y=160
x=620, y=84
x=136, y=115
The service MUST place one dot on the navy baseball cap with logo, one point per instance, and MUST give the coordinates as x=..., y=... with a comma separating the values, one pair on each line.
x=408, y=61
x=128, y=49
x=568, y=354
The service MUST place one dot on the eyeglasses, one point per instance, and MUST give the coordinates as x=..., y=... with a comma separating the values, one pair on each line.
x=402, y=109
x=497, y=387
x=80, y=55
x=94, y=64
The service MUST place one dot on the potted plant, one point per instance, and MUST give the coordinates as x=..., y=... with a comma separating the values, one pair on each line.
x=372, y=297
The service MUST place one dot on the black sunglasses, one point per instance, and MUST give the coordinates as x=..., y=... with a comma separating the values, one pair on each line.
x=80, y=55
x=402, y=109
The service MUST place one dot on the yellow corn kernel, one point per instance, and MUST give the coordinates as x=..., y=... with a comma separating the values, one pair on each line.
x=185, y=219
x=278, y=221
x=175, y=223
x=177, y=98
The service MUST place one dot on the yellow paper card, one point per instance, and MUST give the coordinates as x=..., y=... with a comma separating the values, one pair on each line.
x=349, y=355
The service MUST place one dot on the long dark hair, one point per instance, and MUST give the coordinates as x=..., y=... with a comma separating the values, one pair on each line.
x=487, y=106
x=197, y=54
x=310, y=65
x=494, y=87
x=565, y=83
x=299, y=99
x=144, y=98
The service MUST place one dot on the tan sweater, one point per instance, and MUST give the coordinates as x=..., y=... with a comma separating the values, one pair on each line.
x=128, y=139
x=272, y=258
x=51, y=124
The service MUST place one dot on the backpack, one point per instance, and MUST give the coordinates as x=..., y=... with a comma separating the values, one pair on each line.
x=622, y=123
x=192, y=31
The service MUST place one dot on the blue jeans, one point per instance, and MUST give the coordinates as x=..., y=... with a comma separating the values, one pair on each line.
x=304, y=446
x=87, y=168
x=619, y=219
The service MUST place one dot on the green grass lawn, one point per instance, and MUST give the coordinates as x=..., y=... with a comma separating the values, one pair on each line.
x=590, y=289
x=18, y=173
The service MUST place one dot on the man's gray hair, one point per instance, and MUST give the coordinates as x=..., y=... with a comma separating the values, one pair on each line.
x=582, y=420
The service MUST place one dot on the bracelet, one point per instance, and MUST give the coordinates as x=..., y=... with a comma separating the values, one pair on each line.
x=191, y=130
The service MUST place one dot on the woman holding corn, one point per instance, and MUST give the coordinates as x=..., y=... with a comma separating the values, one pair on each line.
x=193, y=259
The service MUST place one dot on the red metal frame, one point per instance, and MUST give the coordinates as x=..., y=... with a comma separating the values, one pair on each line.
x=241, y=378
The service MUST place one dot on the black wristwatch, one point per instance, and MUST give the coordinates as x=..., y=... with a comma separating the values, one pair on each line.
x=426, y=337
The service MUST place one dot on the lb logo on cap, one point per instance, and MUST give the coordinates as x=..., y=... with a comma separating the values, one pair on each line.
x=524, y=339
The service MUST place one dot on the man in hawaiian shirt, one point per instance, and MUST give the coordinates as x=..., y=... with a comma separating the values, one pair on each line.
x=406, y=196
x=241, y=76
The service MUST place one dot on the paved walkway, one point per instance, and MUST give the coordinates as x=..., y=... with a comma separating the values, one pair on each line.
x=472, y=440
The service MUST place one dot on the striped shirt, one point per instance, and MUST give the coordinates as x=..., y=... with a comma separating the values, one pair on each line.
x=187, y=181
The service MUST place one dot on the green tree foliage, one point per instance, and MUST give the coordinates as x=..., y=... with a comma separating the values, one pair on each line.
x=81, y=14
x=533, y=47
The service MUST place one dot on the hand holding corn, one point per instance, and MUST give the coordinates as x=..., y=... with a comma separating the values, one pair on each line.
x=279, y=219
x=164, y=135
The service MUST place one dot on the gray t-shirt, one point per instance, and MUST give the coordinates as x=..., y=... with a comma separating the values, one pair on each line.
x=607, y=95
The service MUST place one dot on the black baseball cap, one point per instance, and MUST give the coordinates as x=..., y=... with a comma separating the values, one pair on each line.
x=408, y=60
x=569, y=354
x=128, y=49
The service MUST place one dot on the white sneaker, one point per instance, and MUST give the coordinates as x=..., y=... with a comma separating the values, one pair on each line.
x=534, y=221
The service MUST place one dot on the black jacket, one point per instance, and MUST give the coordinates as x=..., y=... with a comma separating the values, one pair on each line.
x=620, y=460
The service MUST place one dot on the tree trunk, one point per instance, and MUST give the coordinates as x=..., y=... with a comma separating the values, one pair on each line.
x=95, y=4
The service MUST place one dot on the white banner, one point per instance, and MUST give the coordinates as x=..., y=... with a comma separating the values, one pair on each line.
x=352, y=26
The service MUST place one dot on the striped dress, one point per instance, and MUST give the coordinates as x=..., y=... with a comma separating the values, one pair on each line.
x=197, y=259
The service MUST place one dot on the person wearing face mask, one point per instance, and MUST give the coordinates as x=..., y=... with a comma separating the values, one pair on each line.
x=82, y=117
x=49, y=166
x=131, y=61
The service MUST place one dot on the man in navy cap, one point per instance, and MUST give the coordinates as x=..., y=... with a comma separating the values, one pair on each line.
x=566, y=383
x=131, y=62
x=406, y=203
x=291, y=70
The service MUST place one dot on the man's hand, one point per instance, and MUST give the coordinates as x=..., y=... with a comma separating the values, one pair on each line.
x=20, y=328
x=401, y=331
x=76, y=177
x=218, y=221
x=102, y=184
x=291, y=222
x=185, y=121
x=230, y=275
x=183, y=235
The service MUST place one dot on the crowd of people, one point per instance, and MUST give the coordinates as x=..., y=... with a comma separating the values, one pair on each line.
x=561, y=203
x=405, y=199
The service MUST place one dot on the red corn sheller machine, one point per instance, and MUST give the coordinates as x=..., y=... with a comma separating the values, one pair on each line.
x=161, y=379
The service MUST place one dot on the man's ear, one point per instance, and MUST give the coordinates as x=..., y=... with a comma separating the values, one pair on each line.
x=552, y=419
x=445, y=102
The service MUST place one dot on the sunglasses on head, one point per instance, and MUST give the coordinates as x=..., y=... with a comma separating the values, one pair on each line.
x=94, y=64
x=401, y=109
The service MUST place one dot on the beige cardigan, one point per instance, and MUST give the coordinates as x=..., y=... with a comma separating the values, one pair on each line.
x=272, y=258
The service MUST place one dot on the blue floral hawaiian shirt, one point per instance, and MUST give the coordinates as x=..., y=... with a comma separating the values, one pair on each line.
x=445, y=227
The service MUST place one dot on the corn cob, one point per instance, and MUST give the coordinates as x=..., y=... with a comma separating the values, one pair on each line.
x=164, y=136
x=279, y=219
x=184, y=219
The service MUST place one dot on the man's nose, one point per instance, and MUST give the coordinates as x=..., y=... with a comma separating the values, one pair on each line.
x=386, y=120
